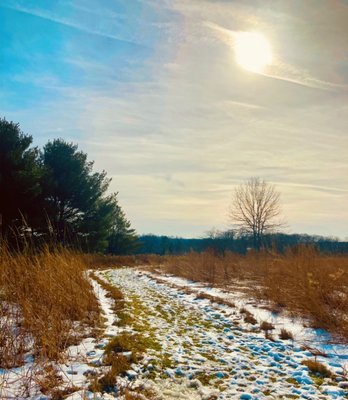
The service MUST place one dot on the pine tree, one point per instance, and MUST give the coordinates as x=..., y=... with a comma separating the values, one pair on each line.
x=74, y=197
x=19, y=179
x=97, y=224
x=123, y=239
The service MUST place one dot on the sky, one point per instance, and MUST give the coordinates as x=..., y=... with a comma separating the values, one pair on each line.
x=151, y=90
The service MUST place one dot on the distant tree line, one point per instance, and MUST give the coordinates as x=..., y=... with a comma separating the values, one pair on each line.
x=255, y=217
x=54, y=196
x=220, y=242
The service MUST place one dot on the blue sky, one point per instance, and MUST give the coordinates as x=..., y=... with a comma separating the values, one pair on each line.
x=151, y=90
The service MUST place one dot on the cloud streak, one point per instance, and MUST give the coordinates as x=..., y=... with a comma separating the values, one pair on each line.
x=71, y=24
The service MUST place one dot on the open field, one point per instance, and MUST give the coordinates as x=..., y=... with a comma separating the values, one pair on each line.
x=201, y=348
x=199, y=326
x=303, y=281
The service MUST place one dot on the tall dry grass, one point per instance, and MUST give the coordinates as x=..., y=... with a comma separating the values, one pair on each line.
x=46, y=304
x=307, y=283
x=311, y=284
x=102, y=261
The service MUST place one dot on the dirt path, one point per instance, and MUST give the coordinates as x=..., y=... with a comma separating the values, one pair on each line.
x=206, y=351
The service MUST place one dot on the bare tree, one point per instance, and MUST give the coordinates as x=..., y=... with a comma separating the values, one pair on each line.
x=255, y=209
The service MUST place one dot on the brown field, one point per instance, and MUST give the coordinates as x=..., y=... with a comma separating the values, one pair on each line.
x=305, y=282
x=45, y=297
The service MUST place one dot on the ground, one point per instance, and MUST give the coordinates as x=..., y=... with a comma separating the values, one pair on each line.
x=194, y=348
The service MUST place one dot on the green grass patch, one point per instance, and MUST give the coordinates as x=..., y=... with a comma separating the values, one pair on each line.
x=136, y=343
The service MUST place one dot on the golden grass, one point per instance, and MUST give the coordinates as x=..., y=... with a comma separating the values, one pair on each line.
x=107, y=382
x=307, y=283
x=140, y=393
x=317, y=368
x=48, y=297
x=101, y=261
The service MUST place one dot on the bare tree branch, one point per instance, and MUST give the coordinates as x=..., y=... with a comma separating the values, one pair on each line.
x=255, y=209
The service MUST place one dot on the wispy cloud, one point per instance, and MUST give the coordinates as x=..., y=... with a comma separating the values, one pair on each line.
x=241, y=104
x=71, y=24
x=326, y=189
x=180, y=126
x=286, y=72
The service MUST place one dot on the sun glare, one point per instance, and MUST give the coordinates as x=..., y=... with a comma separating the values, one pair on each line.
x=252, y=51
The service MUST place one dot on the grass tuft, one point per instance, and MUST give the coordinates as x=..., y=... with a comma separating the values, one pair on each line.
x=286, y=335
x=248, y=317
x=317, y=368
x=266, y=326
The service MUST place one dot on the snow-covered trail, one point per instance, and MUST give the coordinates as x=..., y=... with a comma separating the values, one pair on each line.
x=207, y=351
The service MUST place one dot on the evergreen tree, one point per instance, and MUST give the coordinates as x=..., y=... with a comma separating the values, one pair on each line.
x=123, y=238
x=97, y=225
x=74, y=196
x=19, y=178
x=57, y=194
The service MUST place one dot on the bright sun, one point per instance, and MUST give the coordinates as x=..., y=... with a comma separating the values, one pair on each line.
x=253, y=51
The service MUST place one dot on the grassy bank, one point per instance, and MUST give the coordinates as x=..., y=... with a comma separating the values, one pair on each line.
x=47, y=304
